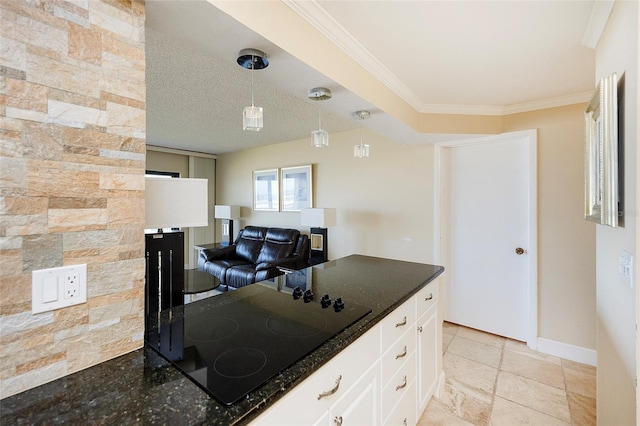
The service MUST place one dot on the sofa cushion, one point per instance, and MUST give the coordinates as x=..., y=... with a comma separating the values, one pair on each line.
x=279, y=243
x=250, y=242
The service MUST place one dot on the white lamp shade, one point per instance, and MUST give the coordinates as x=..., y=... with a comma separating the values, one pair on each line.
x=320, y=218
x=175, y=202
x=226, y=212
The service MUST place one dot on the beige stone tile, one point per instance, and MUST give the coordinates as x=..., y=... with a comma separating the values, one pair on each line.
x=467, y=403
x=476, y=351
x=446, y=339
x=579, y=382
x=532, y=394
x=507, y=413
x=531, y=368
x=450, y=328
x=583, y=409
x=578, y=366
x=474, y=374
x=482, y=337
x=522, y=349
x=438, y=414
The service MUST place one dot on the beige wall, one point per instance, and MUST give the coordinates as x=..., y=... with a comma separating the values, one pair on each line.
x=617, y=51
x=385, y=208
x=71, y=182
x=384, y=204
x=566, y=242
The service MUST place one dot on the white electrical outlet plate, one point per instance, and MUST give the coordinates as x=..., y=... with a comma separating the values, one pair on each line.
x=625, y=267
x=56, y=288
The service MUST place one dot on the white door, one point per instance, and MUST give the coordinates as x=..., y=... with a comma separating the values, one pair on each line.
x=489, y=224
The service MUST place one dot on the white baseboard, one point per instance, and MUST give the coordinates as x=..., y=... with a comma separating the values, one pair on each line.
x=567, y=351
x=440, y=386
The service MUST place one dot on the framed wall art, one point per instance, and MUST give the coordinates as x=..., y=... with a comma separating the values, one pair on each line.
x=266, y=190
x=296, y=188
x=602, y=196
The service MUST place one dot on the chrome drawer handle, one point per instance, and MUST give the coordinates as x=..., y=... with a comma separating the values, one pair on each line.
x=332, y=391
x=403, y=354
x=403, y=385
x=338, y=420
x=404, y=322
x=429, y=297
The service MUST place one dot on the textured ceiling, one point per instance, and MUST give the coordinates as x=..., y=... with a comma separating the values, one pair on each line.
x=480, y=57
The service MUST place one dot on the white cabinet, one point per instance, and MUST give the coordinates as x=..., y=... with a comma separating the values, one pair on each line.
x=386, y=376
x=310, y=402
x=360, y=405
x=428, y=347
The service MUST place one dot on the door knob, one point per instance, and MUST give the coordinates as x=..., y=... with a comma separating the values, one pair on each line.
x=519, y=251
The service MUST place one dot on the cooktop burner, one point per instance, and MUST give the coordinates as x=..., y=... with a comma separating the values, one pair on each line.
x=232, y=349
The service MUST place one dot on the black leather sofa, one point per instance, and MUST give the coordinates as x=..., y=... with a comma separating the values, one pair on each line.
x=256, y=255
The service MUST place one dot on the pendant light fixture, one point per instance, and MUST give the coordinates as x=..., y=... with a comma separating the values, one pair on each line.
x=252, y=59
x=319, y=138
x=361, y=150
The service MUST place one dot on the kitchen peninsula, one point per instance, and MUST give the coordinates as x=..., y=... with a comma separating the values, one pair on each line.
x=388, y=351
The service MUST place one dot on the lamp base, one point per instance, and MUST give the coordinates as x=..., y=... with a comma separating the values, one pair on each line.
x=227, y=231
x=319, y=252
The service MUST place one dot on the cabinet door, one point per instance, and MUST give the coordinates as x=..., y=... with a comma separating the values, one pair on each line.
x=427, y=357
x=359, y=406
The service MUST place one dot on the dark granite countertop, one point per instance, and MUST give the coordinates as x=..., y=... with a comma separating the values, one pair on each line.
x=143, y=388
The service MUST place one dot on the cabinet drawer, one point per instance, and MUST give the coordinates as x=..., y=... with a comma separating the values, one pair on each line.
x=397, y=354
x=399, y=386
x=397, y=322
x=427, y=297
x=404, y=414
x=302, y=406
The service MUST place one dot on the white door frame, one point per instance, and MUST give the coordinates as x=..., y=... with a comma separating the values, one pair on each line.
x=532, y=251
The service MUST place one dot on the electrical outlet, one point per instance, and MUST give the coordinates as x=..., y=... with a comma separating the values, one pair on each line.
x=56, y=288
x=71, y=285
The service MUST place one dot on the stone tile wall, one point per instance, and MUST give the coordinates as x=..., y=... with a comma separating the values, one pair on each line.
x=72, y=161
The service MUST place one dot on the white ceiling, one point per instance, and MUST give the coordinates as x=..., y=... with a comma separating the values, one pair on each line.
x=463, y=57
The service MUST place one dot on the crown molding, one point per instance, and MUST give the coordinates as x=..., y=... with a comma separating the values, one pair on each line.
x=322, y=21
x=600, y=12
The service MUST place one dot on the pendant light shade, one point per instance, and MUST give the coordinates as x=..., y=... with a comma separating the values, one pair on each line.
x=252, y=59
x=361, y=150
x=319, y=138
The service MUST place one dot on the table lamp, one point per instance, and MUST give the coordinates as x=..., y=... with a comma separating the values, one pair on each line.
x=227, y=214
x=170, y=203
x=319, y=220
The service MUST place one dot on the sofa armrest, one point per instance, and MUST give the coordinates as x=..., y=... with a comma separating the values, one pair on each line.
x=273, y=264
x=218, y=253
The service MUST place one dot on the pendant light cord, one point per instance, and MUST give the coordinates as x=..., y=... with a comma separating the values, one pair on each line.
x=253, y=65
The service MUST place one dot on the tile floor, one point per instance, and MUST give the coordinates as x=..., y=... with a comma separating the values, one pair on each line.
x=492, y=380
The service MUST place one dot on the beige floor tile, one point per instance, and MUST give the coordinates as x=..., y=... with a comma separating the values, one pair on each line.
x=522, y=349
x=583, y=410
x=474, y=350
x=471, y=373
x=450, y=328
x=482, y=337
x=584, y=368
x=446, y=339
x=507, y=413
x=438, y=414
x=468, y=403
x=531, y=368
x=579, y=382
x=532, y=394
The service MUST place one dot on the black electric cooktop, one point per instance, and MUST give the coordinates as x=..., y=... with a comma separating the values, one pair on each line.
x=232, y=349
